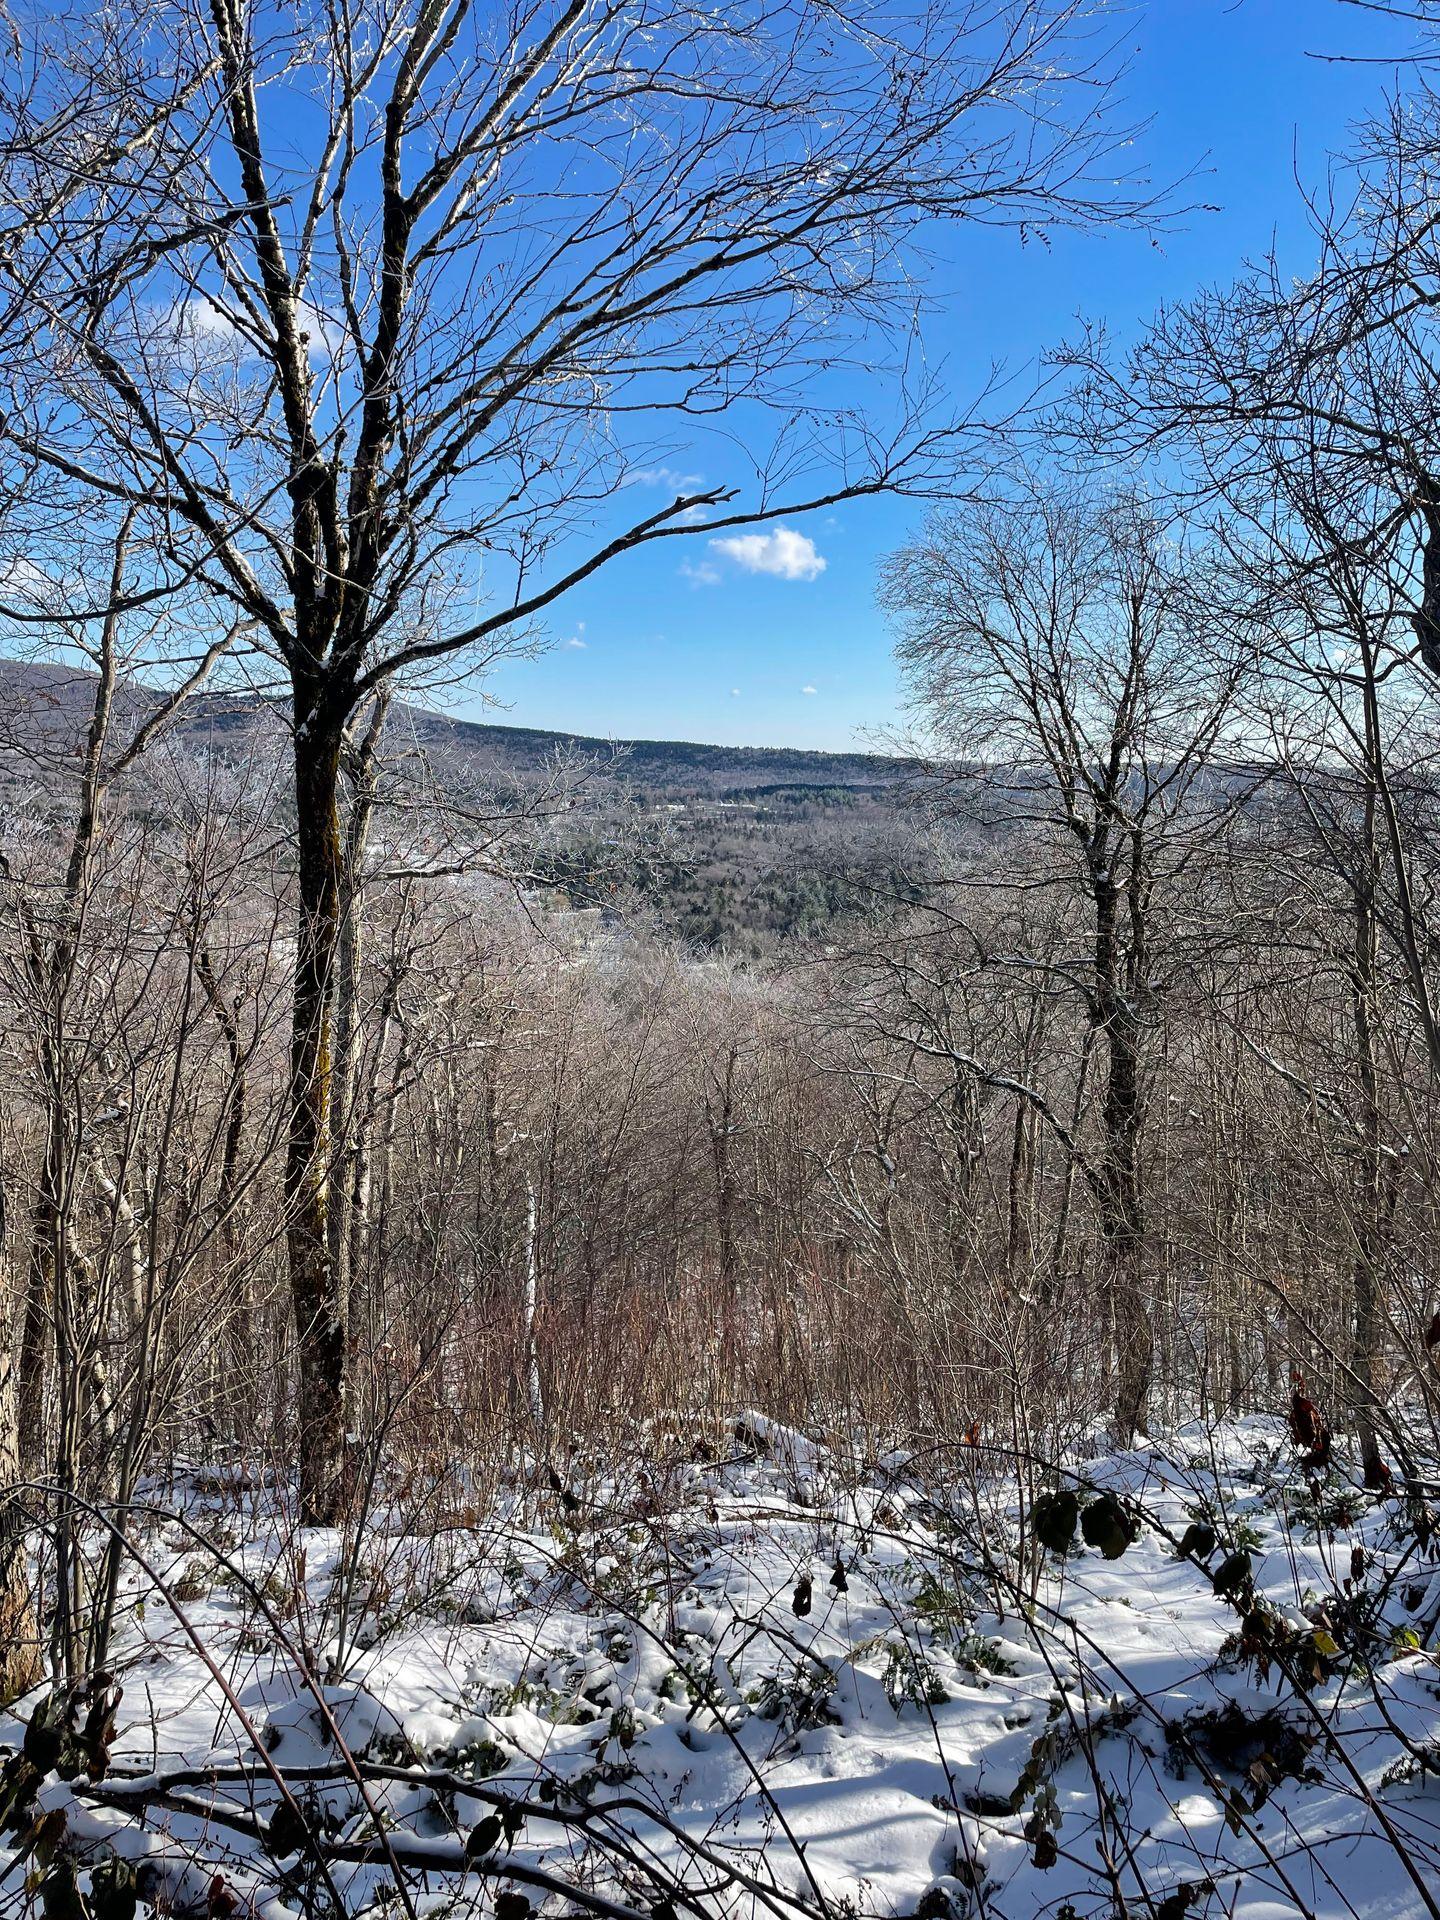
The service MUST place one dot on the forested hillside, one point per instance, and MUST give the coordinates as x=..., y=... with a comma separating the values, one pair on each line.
x=741, y=849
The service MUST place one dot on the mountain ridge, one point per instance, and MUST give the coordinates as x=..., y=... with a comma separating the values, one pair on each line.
x=56, y=698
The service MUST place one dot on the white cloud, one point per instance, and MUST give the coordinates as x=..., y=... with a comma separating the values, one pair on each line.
x=198, y=335
x=784, y=553
x=665, y=477
x=807, y=689
x=201, y=330
x=577, y=642
x=700, y=573
x=24, y=584
x=202, y=318
x=734, y=693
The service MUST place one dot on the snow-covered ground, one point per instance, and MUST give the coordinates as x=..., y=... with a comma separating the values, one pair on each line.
x=775, y=1683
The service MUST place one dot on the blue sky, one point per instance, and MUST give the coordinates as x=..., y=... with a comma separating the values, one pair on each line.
x=684, y=642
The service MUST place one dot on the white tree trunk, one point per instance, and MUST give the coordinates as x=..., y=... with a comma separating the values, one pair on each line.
x=532, y=1303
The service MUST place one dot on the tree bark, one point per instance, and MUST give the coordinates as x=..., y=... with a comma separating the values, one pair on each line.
x=348, y=1116
x=534, y=1393
x=40, y=1287
x=19, y=1636
x=1122, y=1210
x=1375, y=1182
x=319, y=1311
x=235, y=1094
x=721, y=1119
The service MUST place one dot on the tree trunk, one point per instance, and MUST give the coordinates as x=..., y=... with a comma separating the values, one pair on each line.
x=19, y=1637
x=347, y=1115
x=40, y=1290
x=722, y=1129
x=1134, y=1338
x=533, y=1391
x=362, y=1147
x=1123, y=1107
x=1375, y=1170
x=235, y=1094
x=966, y=1149
x=319, y=1315
x=1125, y=1231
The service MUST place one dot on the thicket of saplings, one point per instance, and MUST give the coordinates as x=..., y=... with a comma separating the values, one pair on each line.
x=872, y=1191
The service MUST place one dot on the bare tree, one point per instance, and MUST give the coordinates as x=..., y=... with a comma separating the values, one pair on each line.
x=1306, y=413
x=527, y=239
x=1048, y=642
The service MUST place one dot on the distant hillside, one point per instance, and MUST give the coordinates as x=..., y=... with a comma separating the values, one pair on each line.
x=44, y=704
x=679, y=765
x=735, y=846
